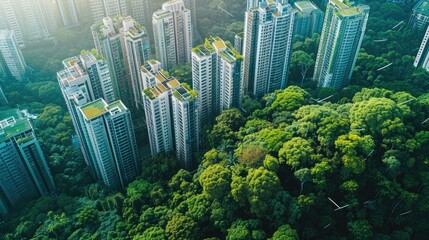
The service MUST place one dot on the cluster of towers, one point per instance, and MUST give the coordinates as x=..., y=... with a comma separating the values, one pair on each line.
x=104, y=87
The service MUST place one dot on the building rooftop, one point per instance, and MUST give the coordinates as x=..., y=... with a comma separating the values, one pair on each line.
x=422, y=7
x=348, y=11
x=6, y=113
x=94, y=109
x=133, y=29
x=340, y=3
x=305, y=6
x=5, y=34
x=184, y=93
x=12, y=123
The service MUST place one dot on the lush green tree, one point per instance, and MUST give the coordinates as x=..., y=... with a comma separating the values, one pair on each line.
x=87, y=216
x=216, y=181
x=360, y=229
x=296, y=152
x=262, y=186
x=181, y=227
x=285, y=232
x=290, y=99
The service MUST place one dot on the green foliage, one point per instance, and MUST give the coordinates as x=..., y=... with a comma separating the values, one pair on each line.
x=181, y=227
x=215, y=181
x=267, y=171
x=285, y=232
x=296, y=152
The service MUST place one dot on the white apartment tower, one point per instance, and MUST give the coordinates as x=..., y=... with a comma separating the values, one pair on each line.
x=156, y=99
x=172, y=29
x=31, y=20
x=137, y=52
x=107, y=36
x=186, y=125
x=267, y=47
x=171, y=111
x=68, y=12
x=340, y=41
x=12, y=55
x=84, y=79
x=109, y=134
x=107, y=8
x=217, y=76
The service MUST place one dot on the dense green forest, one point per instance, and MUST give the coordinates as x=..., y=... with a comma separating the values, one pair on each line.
x=268, y=171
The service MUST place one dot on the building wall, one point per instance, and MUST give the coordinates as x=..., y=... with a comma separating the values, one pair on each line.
x=339, y=45
x=12, y=55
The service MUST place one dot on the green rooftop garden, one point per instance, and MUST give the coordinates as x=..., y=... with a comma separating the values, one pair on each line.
x=20, y=126
x=149, y=93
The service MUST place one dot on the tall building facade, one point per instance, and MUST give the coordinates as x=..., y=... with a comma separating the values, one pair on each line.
x=137, y=52
x=217, y=76
x=84, y=79
x=3, y=99
x=103, y=125
x=12, y=56
x=267, y=48
x=68, y=12
x=309, y=19
x=24, y=172
x=109, y=135
x=422, y=58
x=238, y=42
x=420, y=15
x=31, y=20
x=172, y=27
x=107, y=8
x=171, y=111
x=156, y=99
x=107, y=39
x=185, y=124
x=341, y=38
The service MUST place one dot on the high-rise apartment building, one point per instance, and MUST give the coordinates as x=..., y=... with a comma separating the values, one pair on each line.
x=9, y=20
x=172, y=27
x=217, y=76
x=309, y=19
x=204, y=80
x=68, y=12
x=31, y=20
x=24, y=172
x=11, y=55
x=185, y=124
x=109, y=135
x=267, y=48
x=422, y=58
x=420, y=16
x=103, y=125
x=156, y=98
x=85, y=78
x=192, y=6
x=238, y=42
x=137, y=52
x=340, y=41
x=171, y=114
x=107, y=39
x=107, y=8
